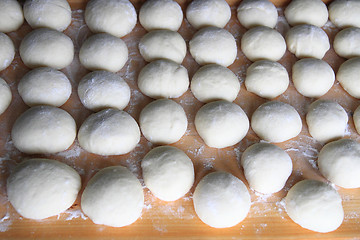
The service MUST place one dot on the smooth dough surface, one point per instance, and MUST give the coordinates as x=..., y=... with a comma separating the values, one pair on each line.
x=345, y=13
x=356, y=118
x=11, y=15
x=7, y=51
x=312, y=12
x=253, y=13
x=349, y=76
x=347, y=42
x=5, y=96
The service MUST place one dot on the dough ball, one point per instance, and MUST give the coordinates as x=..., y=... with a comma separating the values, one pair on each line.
x=161, y=14
x=45, y=47
x=11, y=15
x=115, y=17
x=315, y=205
x=204, y=13
x=221, y=124
x=307, y=41
x=253, y=13
x=43, y=130
x=55, y=14
x=267, y=79
x=163, y=44
x=312, y=77
x=345, y=13
x=213, y=45
x=7, y=51
x=168, y=172
x=263, y=43
x=349, y=76
x=103, y=52
x=221, y=200
x=163, y=121
x=326, y=120
x=356, y=118
x=109, y=132
x=312, y=12
x=214, y=82
x=44, y=86
x=266, y=167
x=163, y=79
x=347, y=43
x=339, y=162
x=276, y=122
x=41, y=188
x=113, y=197
x=5, y=96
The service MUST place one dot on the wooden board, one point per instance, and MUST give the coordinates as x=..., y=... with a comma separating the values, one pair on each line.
x=267, y=218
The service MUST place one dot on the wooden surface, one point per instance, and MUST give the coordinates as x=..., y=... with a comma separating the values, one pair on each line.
x=267, y=218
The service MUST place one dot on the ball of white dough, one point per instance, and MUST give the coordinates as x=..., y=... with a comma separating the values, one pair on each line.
x=163, y=44
x=55, y=14
x=113, y=197
x=213, y=45
x=312, y=12
x=11, y=15
x=326, y=120
x=267, y=79
x=253, y=13
x=266, y=167
x=214, y=82
x=161, y=14
x=103, y=52
x=115, y=17
x=345, y=13
x=5, y=96
x=312, y=77
x=45, y=47
x=163, y=79
x=168, y=172
x=307, y=41
x=261, y=43
x=44, y=86
x=315, y=205
x=7, y=51
x=221, y=124
x=349, y=76
x=109, y=132
x=163, y=121
x=41, y=188
x=221, y=200
x=276, y=122
x=356, y=118
x=339, y=162
x=204, y=13
x=347, y=43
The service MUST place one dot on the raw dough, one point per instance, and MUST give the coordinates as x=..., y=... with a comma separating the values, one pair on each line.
x=168, y=172
x=5, y=96
x=347, y=43
x=345, y=13
x=253, y=13
x=312, y=12
x=356, y=118
x=7, y=51
x=221, y=124
x=348, y=76
x=11, y=15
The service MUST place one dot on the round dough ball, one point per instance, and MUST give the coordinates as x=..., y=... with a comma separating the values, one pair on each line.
x=213, y=45
x=276, y=122
x=215, y=82
x=266, y=167
x=5, y=96
x=315, y=205
x=168, y=172
x=312, y=12
x=312, y=77
x=109, y=132
x=101, y=89
x=221, y=124
x=204, y=13
x=163, y=121
x=253, y=13
x=163, y=44
x=115, y=17
x=267, y=79
x=44, y=86
x=349, y=76
x=45, y=47
x=113, y=197
x=11, y=15
x=41, y=188
x=307, y=41
x=347, y=43
x=7, y=51
x=339, y=162
x=55, y=14
x=103, y=52
x=161, y=14
x=221, y=200
x=345, y=13
x=43, y=130
x=356, y=118
x=163, y=79
x=261, y=43
x=326, y=120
